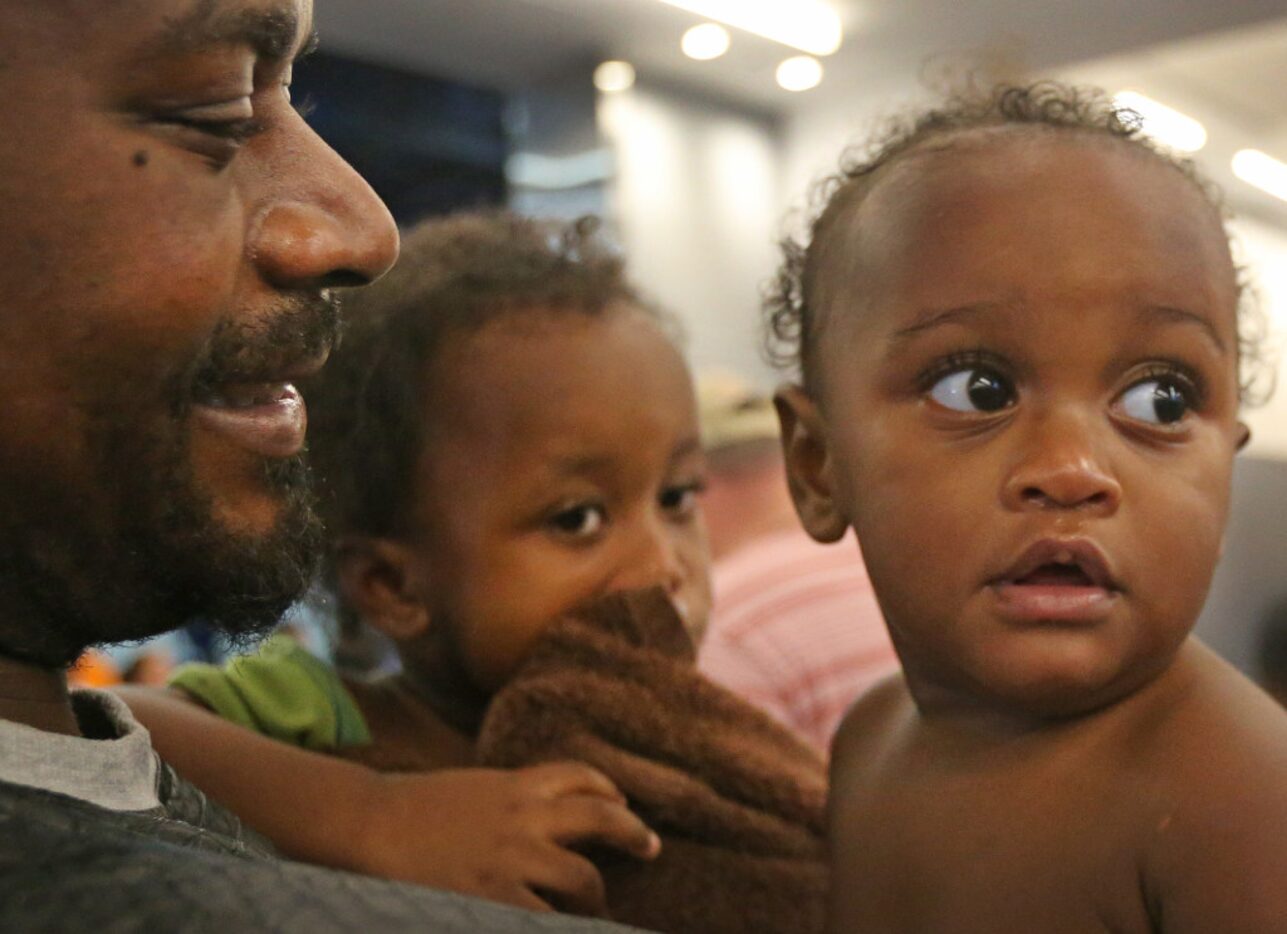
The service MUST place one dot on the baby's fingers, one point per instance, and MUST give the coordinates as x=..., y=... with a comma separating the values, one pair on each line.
x=569, y=880
x=556, y=779
x=584, y=818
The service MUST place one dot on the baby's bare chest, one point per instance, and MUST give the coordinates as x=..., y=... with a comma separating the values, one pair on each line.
x=988, y=844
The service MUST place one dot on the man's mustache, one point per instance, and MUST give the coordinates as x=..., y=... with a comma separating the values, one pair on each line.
x=270, y=348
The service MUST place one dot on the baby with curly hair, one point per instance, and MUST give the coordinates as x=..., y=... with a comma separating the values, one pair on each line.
x=1023, y=349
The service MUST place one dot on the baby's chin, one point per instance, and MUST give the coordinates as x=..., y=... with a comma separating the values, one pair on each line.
x=1054, y=675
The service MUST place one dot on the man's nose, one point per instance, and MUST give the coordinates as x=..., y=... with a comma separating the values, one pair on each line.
x=1060, y=464
x=326, y=228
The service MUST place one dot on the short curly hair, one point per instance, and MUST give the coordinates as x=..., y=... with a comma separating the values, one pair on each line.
x=455, y=276
x=791, y=318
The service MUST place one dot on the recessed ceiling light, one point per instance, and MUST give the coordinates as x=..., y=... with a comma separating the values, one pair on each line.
x=799, y=73
x=707, y=41
x=808, y=25
x=1264, y=171
x=1164, y=124
x=611, y=77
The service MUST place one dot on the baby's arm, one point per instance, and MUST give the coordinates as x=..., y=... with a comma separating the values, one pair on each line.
x=497, y=834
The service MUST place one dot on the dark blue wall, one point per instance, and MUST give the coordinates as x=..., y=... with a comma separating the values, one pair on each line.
x=427, y=146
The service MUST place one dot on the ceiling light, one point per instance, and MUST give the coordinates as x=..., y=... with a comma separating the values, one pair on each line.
x=611, y=77
x=800, y=73
x=1163, y=124
x=808, y=25
x=1265, y=172
x=707, y=41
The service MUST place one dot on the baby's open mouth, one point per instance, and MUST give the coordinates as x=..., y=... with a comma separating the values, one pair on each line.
x=1056, y=575
x=1060, y=581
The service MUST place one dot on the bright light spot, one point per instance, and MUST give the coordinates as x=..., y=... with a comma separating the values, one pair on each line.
x=554, y=173
x=808, y=25
x=800, y=73
x=707, y=41
x=1263, y=171
x=1165, y=125
x=612, y=77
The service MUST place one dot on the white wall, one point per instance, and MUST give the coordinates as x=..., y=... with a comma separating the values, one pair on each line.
x=1264, y=253
x=695, y=202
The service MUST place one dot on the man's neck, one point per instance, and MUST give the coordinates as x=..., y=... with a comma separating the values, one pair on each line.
x=36, y=697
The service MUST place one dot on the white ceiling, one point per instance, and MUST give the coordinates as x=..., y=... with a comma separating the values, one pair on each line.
x=1222, y=61
x=508, y=43
x=1234, y=82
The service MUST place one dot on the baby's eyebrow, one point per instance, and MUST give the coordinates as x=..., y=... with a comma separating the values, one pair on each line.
x=931, y=318
x=686, y=448
x=1168, y=314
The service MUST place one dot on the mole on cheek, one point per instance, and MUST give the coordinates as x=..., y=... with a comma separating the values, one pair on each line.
x=141, y=158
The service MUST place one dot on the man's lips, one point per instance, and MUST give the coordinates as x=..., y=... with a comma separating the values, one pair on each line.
x=264, y=416
x=1057, y=580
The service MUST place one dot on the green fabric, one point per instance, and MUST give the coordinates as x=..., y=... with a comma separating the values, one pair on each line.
x=282, y=691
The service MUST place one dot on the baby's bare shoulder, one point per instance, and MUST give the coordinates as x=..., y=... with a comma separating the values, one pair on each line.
x=1219, y=857
x=868, y=725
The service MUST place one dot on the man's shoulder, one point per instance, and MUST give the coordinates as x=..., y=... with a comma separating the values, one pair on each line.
x=64, y=865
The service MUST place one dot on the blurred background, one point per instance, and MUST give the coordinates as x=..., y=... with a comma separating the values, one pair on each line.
x=695, y=126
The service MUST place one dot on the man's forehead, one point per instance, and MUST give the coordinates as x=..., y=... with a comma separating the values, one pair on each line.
x=273, y=28
x=142, y=30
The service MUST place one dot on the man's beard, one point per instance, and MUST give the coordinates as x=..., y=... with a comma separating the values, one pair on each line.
x=164, y=559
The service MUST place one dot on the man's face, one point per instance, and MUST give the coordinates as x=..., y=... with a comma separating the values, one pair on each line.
x=1030, y=416
x=168, y=230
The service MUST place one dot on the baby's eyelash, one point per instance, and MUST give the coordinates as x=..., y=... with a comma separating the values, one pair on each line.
x=975, y=358
x=1189, y=379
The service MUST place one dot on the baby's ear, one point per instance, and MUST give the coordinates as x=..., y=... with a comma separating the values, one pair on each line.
x=808, y=464
x=377, y=579
x=1244, y=435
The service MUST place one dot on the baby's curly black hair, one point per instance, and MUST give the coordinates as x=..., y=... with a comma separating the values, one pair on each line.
x=456, y=275
x=791, y=320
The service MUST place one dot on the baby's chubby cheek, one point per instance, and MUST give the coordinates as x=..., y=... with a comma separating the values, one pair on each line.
x=924, y=528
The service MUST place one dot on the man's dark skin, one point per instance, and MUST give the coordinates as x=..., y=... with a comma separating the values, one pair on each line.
x=170, y=231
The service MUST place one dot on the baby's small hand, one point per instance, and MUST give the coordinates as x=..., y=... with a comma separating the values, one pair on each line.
x=500, y=834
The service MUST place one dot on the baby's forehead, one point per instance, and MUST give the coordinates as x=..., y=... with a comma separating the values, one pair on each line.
x=1024, y=190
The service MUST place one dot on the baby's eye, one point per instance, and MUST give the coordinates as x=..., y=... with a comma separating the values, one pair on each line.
x=973, y=390
x=681, y=500
x=584, y=521
x=1158, y=401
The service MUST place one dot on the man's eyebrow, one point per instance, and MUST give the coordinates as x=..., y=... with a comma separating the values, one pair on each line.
x=932, y=318
x=272, y=33
x=1168, y=314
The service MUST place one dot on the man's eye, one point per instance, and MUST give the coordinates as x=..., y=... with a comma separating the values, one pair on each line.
x=579, y=521
x=233, y=131
x=1161, y=401
x=214, y=132
x=973, y=390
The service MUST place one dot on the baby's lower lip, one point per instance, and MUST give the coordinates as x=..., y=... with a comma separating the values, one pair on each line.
x=266, y=419
x=1057, y=603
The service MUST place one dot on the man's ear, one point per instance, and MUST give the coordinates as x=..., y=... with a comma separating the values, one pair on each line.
x=1243, y=435
x=808, y=464
x=378, y=580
